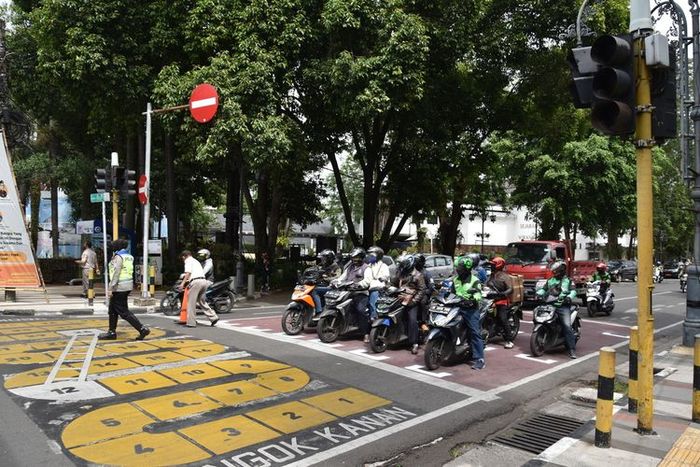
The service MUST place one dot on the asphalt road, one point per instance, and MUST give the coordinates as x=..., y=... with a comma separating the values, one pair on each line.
x=244, y=393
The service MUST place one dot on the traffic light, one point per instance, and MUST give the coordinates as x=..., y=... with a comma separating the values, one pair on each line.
x=128, y=187
x=582, y=69
x=663, y=99
x=117, y=177
x=613, y=85
x=102, y=181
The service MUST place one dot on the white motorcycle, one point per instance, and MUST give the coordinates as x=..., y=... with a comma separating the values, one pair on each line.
x=684, y=281
x=658, y=275
x=596, y=302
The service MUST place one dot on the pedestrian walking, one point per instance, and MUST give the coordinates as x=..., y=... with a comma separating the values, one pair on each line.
x=87, y=261
x=121, y=283
x=197, y=284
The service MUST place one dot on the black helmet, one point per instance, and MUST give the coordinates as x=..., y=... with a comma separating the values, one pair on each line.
x=406, y=264
x=326, y=257
x=476, y=259
x=420, y=261
x=558, y=269
x=376, y=251
x=357, y=255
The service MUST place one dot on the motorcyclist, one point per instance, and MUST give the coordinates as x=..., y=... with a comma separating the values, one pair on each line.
x=562, y=288
x=356, y=271
x=204, y=257
x=328, y=270
x=379, y=272
x=601, y=274
x=429, y=290
x=502, y=285
x=467, y=286
x=478, y=268
x=413, y=283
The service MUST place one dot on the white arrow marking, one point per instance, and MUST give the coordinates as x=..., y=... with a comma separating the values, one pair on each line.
x=420, y=369
x=615, y=335
x=209, y=101
x=535, y=359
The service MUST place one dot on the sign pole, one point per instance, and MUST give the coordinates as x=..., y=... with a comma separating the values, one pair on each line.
x=147, y=205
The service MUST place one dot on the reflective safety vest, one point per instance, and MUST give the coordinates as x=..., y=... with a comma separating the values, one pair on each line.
x=462, y=288
x=126, y=275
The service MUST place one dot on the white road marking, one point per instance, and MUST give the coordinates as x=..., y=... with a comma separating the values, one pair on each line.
x=546, y=361
x=615, y=335
x=489, y=348
x=284, y=334
x=364, y=353
x=421, y=369
x=635, y=297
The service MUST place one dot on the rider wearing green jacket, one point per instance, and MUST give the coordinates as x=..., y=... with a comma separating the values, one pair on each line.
x=467, y=286
x=564, y=291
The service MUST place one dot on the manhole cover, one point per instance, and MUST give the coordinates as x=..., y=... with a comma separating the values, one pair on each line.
x=539, y=432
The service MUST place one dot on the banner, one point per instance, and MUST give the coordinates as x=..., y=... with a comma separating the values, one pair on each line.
x=17, y=265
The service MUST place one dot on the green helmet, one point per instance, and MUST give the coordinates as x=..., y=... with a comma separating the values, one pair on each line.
x=464, y=263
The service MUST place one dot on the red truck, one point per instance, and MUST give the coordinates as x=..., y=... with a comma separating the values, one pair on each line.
x=532, y=258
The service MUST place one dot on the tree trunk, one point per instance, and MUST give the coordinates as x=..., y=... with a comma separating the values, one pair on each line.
x=171, y=200
x=347, y=211
x=613, y=247
x=53, y=157
x=233, y=197
x=630, y=248
x=35, y=199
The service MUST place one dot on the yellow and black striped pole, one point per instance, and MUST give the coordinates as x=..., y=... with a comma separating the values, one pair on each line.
x=91, y=286
x=152, y=281
x=604, y=404
x=696, y=380
x=633, y=370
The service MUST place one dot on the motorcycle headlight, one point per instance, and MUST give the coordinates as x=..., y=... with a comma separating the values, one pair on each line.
x=540, y=284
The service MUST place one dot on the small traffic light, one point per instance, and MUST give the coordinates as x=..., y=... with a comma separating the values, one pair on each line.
x=128, y=186
x=117, y=177
x=582, y=69
x=613, y=108
x=663, y=100
x=102, y=182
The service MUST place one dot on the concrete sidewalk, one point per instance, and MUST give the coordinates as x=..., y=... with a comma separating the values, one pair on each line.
x=67, y=300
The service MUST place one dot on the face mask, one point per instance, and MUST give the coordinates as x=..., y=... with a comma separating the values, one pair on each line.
x=371, y=259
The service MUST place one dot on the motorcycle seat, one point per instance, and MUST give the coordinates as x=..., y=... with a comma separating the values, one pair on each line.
x=219, y=284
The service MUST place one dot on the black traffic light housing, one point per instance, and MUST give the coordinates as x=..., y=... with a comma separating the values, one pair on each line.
x=663, y=99
x=613, y=85
x=128, y=188
x=582, y=69
x=103, y=182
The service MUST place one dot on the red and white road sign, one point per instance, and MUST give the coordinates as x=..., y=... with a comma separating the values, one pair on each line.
x=204, y=102
x=142, y=191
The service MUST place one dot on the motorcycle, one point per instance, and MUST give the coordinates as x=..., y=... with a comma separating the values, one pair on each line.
x=596, y=302
x=658, y=275
x=684, y=281
x=547, y=332
x=221, y=296
x=489, y=322
x=447, y=340
x=390, y=326
x=301, y=310
x=337, y=317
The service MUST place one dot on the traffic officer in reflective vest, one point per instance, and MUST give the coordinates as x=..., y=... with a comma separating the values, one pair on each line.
x=121, y=282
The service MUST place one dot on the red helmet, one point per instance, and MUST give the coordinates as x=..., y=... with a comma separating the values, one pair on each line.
x=498, y=263
x=601, y=267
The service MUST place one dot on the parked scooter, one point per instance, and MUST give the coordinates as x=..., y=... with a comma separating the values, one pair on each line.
x=221, y=296
x=337, y=317
x=596, y=302
x=548, y=333
x=684, y=281
x=489, y=322
x=300, y=312
x=447, y=340
x=390, y=326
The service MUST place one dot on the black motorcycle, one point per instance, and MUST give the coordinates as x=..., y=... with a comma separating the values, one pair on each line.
x=548, y=332
x=338, y=318
x=221, y=296
x=390, y=327
x=490, y=327
x=447, y=340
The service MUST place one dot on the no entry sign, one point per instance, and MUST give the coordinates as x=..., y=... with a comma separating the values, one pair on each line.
x=143, y=198
x=204, y=103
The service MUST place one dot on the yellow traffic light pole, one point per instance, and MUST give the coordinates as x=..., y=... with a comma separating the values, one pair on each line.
x=115, y=214
x=645, y=243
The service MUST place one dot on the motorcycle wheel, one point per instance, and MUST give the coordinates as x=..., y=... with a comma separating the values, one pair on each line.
x=576, y=326
x=514, y=325
x=293, y=321
x=608, y=311
x=170, y=307
x=224, y=303
x=328, y=329
x=592, y=309
x=433, y=353
x=537, y=342
x=377, y=339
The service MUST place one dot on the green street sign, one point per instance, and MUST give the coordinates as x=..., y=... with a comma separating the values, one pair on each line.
x=99, y=197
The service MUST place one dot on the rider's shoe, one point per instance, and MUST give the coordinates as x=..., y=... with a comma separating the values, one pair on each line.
x=108, y=336
x=414, y=349
x=572, y=354
x=508, y=345
x=366, y=339
x=479, y=364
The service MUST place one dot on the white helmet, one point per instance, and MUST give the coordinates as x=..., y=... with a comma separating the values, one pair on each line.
x=203, y=254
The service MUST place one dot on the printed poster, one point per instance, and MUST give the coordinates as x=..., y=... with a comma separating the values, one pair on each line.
x=17, y=265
